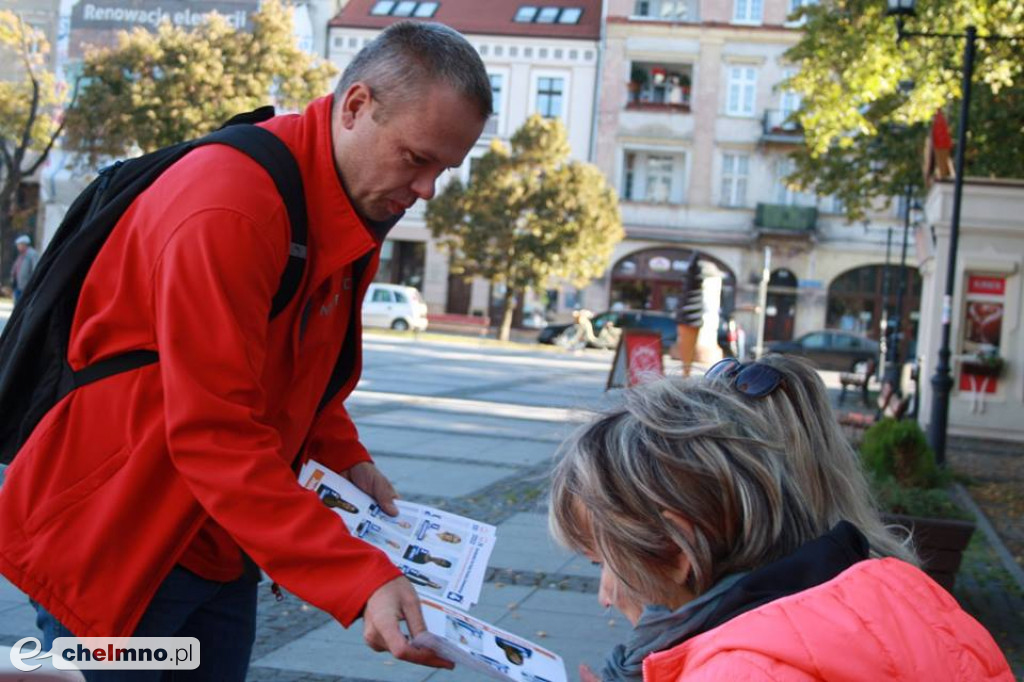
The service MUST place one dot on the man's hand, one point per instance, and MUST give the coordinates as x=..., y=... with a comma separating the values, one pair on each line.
x=368, y=478
x=392, y=603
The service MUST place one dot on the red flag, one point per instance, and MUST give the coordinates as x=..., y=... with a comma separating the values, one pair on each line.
x=941, y=138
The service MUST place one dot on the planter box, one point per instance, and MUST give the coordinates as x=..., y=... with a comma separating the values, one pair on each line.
x=940, y=543
x=980, y=369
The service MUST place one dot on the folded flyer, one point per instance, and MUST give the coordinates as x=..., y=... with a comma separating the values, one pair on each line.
x=479, y=646
x=443, y=555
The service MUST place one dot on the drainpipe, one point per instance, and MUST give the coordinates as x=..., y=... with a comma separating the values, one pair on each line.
x=598, y=77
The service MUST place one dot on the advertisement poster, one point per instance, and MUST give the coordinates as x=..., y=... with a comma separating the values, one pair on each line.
x=444, y=555
x=982, y=331
x=486, y=649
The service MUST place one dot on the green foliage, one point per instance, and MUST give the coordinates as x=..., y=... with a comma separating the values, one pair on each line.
x=156, y=89
x=934, y=503
x=903, y=472
x=854, y=113
x=898, y=449
x=528, y=214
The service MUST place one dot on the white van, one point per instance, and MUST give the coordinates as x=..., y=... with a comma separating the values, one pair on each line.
x=394, y=306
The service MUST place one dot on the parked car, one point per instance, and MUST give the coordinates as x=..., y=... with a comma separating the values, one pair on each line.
x=830, y=349
x=394, y=306
x=654, y=320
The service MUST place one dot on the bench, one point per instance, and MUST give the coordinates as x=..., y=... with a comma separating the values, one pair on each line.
x=858, y=380
x=461, y=324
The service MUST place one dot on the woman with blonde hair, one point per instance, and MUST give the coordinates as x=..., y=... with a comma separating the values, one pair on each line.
x=735, y=530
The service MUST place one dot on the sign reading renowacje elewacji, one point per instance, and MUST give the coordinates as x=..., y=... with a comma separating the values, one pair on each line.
x=96, y=23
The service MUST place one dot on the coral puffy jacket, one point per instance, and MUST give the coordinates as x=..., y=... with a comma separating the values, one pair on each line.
x=881, y=619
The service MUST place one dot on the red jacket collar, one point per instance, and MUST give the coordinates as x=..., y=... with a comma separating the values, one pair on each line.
x=337, y=235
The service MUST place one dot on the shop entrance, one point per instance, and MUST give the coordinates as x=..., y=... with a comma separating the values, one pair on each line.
x=653, y=279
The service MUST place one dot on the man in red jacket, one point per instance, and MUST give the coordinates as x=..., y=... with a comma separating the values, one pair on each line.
x=143, y=503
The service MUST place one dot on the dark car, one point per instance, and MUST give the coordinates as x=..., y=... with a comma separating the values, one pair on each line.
x=654, y=320
x=830, y=349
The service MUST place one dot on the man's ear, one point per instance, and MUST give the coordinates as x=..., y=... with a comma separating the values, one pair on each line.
x=355, y=102
x=681, y=571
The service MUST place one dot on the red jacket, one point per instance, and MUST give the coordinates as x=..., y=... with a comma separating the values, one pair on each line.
x=115, y=483
x=878, y=620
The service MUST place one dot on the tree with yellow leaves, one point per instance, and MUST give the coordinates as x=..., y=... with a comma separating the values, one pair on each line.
x=158, y=88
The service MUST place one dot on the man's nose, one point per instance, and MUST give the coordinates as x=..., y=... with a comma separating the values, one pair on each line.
x=423, y=185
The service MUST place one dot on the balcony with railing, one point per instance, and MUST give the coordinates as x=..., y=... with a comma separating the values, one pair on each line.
x=659, y=87
x=780, y=127
x=783, y=219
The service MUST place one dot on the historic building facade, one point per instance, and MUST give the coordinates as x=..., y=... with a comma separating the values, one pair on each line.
x=694, y=133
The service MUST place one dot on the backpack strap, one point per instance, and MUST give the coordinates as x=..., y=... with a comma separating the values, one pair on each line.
x=267, y=149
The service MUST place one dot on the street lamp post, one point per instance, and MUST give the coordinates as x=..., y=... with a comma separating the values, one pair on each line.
x=883, y=339
x=941, y=381
x=892, y=375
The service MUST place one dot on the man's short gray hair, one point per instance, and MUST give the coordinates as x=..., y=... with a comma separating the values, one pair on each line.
x=408, y=57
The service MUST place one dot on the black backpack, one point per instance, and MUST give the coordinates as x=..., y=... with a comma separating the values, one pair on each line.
x=34, y=371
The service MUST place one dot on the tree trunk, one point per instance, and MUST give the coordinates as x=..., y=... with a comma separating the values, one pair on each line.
x=509, y=306
x=6, y=237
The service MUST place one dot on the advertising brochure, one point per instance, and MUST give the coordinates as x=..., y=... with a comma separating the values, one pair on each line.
x=479, y=646
x=443, y=555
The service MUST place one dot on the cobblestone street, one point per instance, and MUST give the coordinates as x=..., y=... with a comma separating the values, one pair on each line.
x=473, y=429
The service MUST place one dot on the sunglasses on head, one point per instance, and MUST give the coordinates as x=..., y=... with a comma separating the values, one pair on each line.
x=752, y=379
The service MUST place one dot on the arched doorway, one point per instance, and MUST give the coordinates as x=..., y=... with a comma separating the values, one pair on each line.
x=857, y=302
x=780, y=313
x=652, y=279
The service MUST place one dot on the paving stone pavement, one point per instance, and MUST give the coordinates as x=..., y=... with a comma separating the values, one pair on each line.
x=472, y=430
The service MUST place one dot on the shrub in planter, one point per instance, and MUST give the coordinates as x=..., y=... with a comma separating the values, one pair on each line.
x=912, y=491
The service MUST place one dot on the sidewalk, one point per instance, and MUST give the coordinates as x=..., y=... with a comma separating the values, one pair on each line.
x=473, y=429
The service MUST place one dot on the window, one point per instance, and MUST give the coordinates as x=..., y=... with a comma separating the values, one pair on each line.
x=659, y=179
x=735, y=171
x=816, y=340
x=742, y=91
x=570, y=15
x=784, y=193
x=404, y=8
x=789, y=102
x=795, y=6
x=629, y=176
x=668, y=10
x=654, y=83
x=653, y=177
x=527, y=14
x=425, y=10
x=381, y=296
x=400, y=297
x=549, y=96
x=497, y=82
x=547, y=15
x=747, y=11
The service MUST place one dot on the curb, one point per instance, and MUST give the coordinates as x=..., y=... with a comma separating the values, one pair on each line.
x=1011, y=566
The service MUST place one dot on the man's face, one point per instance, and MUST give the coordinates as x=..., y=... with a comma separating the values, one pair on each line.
x=389, y=162
x=22, y=247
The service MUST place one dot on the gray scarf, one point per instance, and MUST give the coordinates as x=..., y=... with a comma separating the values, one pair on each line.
x=659, y=629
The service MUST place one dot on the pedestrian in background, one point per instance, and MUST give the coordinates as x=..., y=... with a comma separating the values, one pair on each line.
x=735, y=530
x=145, y=503
x=24, y=265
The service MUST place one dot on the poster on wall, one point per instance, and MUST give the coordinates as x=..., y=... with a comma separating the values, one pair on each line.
x=982, y=333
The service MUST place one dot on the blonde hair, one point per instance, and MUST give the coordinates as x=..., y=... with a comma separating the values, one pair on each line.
x=756, y=478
